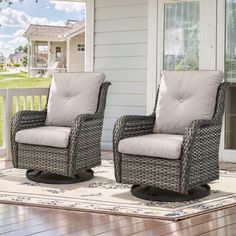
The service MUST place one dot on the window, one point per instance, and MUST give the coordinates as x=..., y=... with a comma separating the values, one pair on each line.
x=230, y=71
x=58, y=53
x=81, y=47
x=181, y=36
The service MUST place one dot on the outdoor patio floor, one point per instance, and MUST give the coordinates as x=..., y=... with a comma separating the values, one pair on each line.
x=24, y=220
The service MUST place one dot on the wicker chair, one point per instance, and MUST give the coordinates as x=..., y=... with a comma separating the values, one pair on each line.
x=54, y=163
x=164, y=178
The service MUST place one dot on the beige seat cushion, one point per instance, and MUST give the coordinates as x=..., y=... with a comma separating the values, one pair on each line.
x=72, y=94
x=154, y=145
x=185, y=96
x=47, y=136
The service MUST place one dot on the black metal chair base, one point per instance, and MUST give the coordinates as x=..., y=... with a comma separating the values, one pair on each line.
x=160, y=195
x=49, y=178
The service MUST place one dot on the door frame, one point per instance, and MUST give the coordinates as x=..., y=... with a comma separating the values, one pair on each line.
x=155, y=48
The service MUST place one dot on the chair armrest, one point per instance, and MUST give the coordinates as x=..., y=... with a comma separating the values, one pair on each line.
x=28, y=119
x=83, y=123
x=129, y=126
x=25, y=120
x=201, y=141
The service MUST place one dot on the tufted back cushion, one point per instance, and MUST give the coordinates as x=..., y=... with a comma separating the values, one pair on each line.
x=72, y=94
x=185, y=96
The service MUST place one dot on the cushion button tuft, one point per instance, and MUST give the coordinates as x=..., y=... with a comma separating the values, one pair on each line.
x=181, y=100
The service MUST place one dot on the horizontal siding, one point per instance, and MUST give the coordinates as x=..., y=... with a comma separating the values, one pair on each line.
x=127, y=88
x=138, y=10
x=126, y=99
x=119, y=25
x=129, y=50
x=121, y=53
x=121, y=63
x=126, y=75
x=128, y=37
x=115, y=3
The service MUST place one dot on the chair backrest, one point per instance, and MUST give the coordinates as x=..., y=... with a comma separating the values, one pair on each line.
x=72, y=94
x=185, y=96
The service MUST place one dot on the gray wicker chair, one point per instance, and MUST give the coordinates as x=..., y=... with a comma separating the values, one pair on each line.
x=50, y=164
x=164, y=179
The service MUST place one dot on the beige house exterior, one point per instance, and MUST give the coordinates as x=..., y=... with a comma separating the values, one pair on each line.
x=55, y=48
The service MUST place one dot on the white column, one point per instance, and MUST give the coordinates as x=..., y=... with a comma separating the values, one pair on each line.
x=28, y=57
x=49, y=54
x=32, y=48
x=68, y=55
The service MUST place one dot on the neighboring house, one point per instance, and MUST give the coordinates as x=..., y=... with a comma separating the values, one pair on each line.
x=2, y=59
x=56, y=48
x=16, y=58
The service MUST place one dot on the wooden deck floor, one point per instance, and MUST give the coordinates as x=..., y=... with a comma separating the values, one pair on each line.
x=23, y=220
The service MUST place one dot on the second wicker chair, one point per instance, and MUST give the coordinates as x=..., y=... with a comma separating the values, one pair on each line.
x=172, y=154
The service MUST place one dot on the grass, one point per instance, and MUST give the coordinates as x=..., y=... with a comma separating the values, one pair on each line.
x=20, y=80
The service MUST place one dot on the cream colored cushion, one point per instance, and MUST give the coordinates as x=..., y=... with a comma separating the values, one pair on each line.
x=185, y=96
x=47, y=136
x=154, y=145
x=72, y=94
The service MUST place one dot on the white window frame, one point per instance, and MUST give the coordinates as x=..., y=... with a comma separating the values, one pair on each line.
x=89, y=36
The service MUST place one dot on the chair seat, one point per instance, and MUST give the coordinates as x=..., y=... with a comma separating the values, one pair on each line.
x=154, y=145
x=53, y=136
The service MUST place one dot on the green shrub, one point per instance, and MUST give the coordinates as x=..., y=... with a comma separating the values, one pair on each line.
x=15, y=65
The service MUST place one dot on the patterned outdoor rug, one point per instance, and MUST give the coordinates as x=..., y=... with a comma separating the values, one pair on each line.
x=102, y=194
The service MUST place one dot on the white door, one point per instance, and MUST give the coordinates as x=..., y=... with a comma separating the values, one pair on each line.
x=186, y=35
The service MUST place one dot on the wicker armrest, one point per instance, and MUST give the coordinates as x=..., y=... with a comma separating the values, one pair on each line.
x=201, y=142
x=28, y=119
x=78, y=122
x=129, y=126
x=83, y=123
x=25, y=120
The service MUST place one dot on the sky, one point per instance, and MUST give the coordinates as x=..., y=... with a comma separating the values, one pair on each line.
x=15, y=19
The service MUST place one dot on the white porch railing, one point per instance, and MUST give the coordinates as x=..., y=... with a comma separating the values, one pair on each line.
x=11, y=101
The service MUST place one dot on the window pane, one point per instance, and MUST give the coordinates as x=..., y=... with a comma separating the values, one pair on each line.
x=230, y=71
x=181, y=36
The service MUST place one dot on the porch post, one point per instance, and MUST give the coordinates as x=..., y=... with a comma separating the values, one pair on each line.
x=49, y=54
x=68, y=55
x=32, y=48
x=28, y=57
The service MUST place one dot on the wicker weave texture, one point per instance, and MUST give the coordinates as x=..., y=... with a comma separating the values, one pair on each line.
x=199, y=160
x=84, y=149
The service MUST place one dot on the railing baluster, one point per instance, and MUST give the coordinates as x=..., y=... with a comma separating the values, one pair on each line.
x=40, y=103
x=17, y=103
x=31, y=103
x=24, y=102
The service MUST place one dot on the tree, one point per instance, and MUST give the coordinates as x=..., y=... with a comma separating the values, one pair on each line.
x=7, y=3
x=21, y=49
x=24, y=61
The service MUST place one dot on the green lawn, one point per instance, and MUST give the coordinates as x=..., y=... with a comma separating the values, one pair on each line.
x=20, y=80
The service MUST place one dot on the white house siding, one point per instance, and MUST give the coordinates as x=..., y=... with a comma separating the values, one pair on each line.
x=76, y=57
x=121, y=53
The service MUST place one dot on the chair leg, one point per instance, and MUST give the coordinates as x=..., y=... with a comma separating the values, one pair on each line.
x=160, y=195
x=50, y=178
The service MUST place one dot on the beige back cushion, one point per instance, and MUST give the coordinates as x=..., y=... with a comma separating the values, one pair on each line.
x=185, y=96
x=72, y=94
